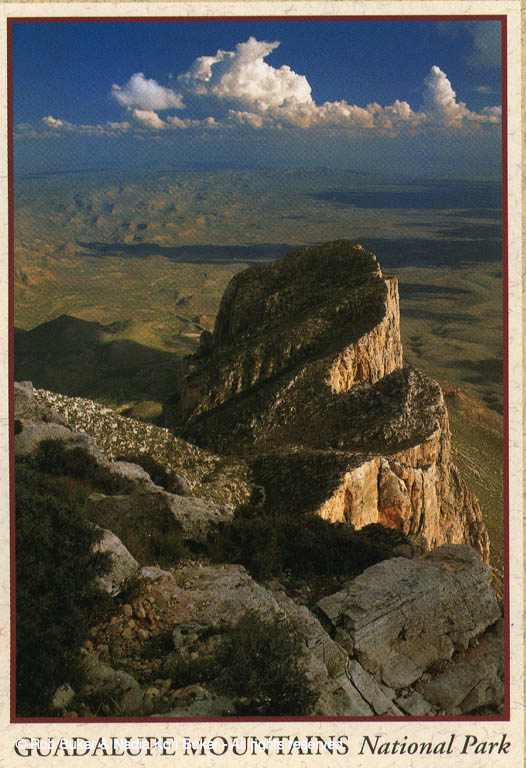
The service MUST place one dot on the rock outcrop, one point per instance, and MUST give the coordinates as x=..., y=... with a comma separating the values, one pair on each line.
x=403, y=616
x=199, y=472
x=122, y=566
x=141, y=514
x=408, y=637
x=149, y=516
x=304, y=377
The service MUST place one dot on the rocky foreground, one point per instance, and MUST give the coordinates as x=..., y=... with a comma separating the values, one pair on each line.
x=412, y=635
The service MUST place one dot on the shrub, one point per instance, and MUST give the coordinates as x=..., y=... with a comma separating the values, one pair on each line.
x=261, y=662
x=253, y=542
x=157, y=472
x=168, y=548
x=386, y=539
x=303, y=546
x=55, y=458
x=158, y=645
x=56, y=593
x=184, y=670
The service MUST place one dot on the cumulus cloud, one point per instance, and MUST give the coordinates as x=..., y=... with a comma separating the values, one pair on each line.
x=149, y=118
x=245, y=77
x=246, y=118
x=243, y=89
x=443, y=108
x=178, y=122
x=143, y=94
x=260, y=95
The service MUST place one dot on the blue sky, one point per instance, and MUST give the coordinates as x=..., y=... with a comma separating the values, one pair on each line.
x=356, y=93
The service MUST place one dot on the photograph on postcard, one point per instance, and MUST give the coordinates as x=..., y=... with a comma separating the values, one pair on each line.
x=260, y=411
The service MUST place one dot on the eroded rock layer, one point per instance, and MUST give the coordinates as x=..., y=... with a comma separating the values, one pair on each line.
x=304, y=376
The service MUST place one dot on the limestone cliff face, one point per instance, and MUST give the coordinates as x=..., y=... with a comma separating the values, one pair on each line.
x=275, y=317
x=304, y=376
x=376, y=353
x=418, y=491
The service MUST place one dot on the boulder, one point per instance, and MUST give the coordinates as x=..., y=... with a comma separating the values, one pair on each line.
x=372, y=692
x=405, y=615
x=117, y=688
x=133, y=473
x=353, y=650
x=325, y=664
x=123, y=566
x=148, y=516
x=203, y=599
x=29, y=408
x=197, y=517
x=472, y=680
x=32, y=434
x=24, y=399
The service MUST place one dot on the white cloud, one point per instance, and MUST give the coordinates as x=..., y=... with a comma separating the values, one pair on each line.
x=148, y=118
x=260, y=95
x=440, y=100
x=54, y=122
x=443, y=109
x=272, y=96
x=142, y=94
x=243, y=89
x=244, y=76
x=178, y=122
x=119, y=126
x=55, y=125
x=486, y=89
x=246, y=118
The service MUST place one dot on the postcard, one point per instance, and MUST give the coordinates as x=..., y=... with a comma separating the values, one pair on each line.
x=262, y=370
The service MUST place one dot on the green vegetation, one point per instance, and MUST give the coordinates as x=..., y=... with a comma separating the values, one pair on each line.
x=185, y=670
x=257, y=663
x=126, y=250
x=55, y=458
x=270, y=545
x=56, y=594
x=168, y=548
x=451, y=322
x=478, y=453
x=261, y=662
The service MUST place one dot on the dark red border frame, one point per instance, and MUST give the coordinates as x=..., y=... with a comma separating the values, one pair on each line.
x=503, y=19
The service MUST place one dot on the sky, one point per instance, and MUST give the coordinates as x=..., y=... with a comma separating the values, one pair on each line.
x=400, y=96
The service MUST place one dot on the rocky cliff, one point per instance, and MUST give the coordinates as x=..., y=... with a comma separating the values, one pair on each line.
x=304, y=377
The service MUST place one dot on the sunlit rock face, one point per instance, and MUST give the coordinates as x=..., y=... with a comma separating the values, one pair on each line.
x=304, y=377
